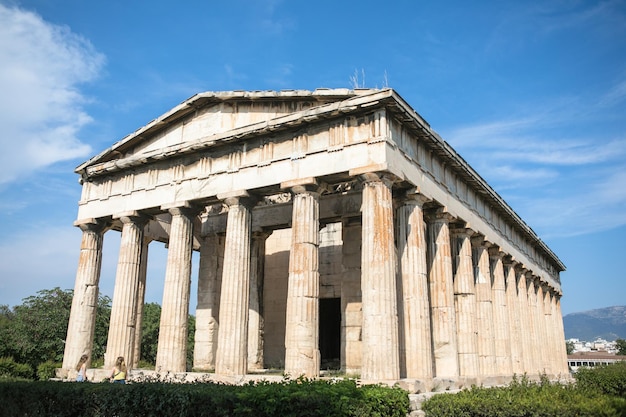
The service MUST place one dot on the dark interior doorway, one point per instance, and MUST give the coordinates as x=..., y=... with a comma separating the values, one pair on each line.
x=330, y=333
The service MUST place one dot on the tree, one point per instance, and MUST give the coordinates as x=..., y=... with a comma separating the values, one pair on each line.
x=569, y=347
x=34, y=332
x=150, y=331
x=150, y=334
x=621, y=346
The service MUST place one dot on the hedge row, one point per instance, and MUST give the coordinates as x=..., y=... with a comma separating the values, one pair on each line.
x=598, y=392
x=302, y=398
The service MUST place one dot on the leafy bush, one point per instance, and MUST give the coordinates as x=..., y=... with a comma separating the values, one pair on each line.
x=524, y=398
x=47, y=370
x=10, y=368
x=608, y=379
x=301, y=398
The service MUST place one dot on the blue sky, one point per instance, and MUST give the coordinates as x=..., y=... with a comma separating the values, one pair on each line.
x=532, y=94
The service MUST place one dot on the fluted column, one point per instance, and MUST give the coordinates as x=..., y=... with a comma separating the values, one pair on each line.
x=302, y=355
x=414, y=311
x=121, y=339
x=486, y=345
x=141, y=297
x=255, y=316
x=535, y=334
x=207, y=310
x=560, y=333
x=517, y=351
x=172, y=347
x=502, y=334
x=524, y=319
x=232, y=345
x=81, y=326
x=465, y=302
x=548, y=340
x=442, y=314
x=378, y=284
x=540, y=328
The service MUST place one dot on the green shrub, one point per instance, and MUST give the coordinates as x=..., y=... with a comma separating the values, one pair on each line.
x=608, y=379
x=524, y=398
x=301, y=398
x=10, y=368
x=143, y=364
x=47, y=370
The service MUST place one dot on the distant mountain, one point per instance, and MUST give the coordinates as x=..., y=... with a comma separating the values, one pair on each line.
x=606, y=323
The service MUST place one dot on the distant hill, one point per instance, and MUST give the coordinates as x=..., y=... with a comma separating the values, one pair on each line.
x=606, y=323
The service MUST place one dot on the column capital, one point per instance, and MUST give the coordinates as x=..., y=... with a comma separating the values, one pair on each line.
x=385, y=177
x=92, y=225
x=510, y=261
x=133, y=216
x=414, y=197
x=479, y=240
x=462, y=232
x=495, y=252
x=304, y=185
x=184, y=208
x=239, y=197
x=520, y=269
x=261, y=234
x=438, y=215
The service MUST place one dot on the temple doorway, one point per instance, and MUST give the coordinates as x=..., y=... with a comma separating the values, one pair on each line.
x=330, y=333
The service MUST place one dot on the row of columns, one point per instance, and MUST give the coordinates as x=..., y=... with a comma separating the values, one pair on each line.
x=437, y=301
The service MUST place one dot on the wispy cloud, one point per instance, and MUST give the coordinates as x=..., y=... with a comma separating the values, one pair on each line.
x=614, y=96
x=270, y=23
x=41, y=106
x=554, y=164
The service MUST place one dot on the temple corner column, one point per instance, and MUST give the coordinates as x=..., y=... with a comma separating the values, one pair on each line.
x=81, y=325
x=380, y=354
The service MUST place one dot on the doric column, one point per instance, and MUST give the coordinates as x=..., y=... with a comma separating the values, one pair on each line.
x=486, y=346
x=81, y=326
x=141, y=297
x=255, y=315
x=302, y=355
x=540, y=327
x=207, y=317
x=524, y=318
x=121, y=339
x=517, y=351
x=501, y=333
x=232, y=356
x=535, y=334
x=442, y=314
x=172, y=347
x=465, y=302
x=351, y=301
x=546, y=318
x=414, y=309
x=378, y=284
x=561, y=362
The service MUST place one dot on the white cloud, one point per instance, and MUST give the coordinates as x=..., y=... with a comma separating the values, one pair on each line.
x=558, y=164
x=41, y=107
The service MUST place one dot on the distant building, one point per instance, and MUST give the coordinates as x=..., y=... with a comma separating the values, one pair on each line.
x=334, y=228
x=592, y=359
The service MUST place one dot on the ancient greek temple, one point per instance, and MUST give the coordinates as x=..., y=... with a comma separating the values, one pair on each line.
x=335, y=230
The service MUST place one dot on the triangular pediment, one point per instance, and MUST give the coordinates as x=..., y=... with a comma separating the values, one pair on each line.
x=207, y=117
